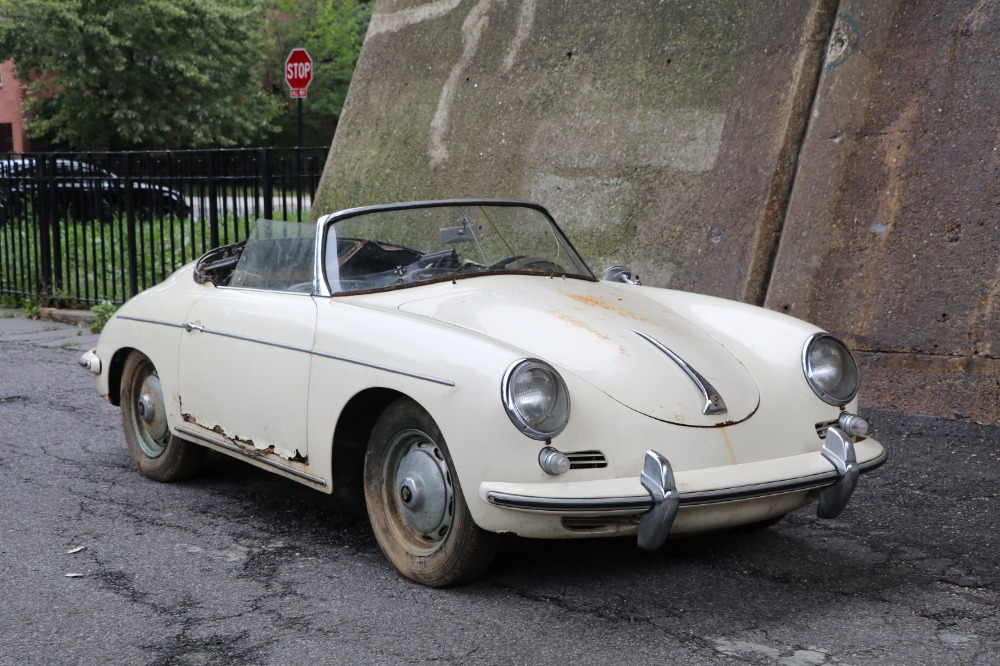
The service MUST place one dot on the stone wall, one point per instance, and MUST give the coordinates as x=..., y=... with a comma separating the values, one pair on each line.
x=892, y=236
x=835, y=162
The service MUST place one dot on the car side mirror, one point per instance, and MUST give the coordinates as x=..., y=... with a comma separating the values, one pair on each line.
x=621, y=274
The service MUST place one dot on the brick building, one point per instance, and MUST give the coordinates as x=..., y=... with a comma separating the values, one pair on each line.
x=13, y=135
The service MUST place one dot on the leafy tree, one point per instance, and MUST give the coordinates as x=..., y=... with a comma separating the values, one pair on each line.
x=332, y=31
x=118, y=74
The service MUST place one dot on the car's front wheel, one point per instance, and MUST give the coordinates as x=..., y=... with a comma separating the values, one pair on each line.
x=160, y=455
x=415, y=503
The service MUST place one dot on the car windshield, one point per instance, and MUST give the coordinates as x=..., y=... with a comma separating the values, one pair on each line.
x=400, y=246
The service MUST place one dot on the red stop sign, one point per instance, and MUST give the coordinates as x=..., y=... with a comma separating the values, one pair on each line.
x=298, y=72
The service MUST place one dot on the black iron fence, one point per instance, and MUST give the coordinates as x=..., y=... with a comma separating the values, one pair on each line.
x=82, y=228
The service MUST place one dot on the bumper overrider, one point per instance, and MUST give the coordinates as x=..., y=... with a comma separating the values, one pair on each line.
x=659, y=506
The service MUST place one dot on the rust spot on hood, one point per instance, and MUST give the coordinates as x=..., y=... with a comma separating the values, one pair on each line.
x=603, y=304
x=580, y=324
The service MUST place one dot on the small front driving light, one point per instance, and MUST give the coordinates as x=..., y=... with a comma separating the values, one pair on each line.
x=853, y=425
x=553, y=461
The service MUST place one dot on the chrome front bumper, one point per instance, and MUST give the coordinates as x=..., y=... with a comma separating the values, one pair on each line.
x=660, y=505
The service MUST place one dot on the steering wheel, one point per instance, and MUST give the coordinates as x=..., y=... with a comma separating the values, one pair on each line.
x=522, y=262
x=427, y=266
x=440, y=259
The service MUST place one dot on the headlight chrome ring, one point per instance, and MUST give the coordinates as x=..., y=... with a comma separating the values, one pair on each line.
x=830, y=369
x=536, y=398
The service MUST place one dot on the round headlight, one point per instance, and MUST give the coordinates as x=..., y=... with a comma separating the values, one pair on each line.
x=536, y=398
x=830, y=369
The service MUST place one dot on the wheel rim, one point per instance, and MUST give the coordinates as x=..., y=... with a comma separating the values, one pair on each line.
x=418, y=491
x=150, y=416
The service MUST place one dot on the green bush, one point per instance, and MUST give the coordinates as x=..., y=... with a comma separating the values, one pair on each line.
x=103, y=312
x=31, y=306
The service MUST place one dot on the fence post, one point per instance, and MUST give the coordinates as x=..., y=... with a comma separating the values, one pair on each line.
x=213, y=204
x=298, y=181
x=267, y=186
x=133, y=243
x=43, y=210
x=55, y=213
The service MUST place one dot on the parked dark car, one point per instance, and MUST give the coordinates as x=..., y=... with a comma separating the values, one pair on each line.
x=82, y=191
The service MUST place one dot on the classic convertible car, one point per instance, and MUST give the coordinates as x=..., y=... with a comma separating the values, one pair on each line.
x=458, y=365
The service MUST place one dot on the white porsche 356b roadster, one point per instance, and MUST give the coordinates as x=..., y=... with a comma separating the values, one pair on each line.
x=458, y=365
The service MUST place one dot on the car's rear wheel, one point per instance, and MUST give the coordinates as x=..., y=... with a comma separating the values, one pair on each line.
x=159, y=454
x=415, y=503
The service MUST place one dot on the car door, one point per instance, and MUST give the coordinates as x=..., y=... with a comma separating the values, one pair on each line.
x=244, y=370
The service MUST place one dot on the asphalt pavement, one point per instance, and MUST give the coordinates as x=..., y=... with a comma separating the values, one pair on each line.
x=99, y=565
x=15, y=327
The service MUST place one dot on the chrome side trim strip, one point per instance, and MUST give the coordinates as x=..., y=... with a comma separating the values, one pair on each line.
x=395, y=371
x=232, y=448
x=143, y=320
x=714, y=404
x=190, y=326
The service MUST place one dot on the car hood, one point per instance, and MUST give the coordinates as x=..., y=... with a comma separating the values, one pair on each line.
x=602, y=335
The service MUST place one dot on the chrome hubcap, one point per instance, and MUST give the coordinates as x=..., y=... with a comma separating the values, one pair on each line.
x=145, y=408
x=424, y=491
x=151, y=425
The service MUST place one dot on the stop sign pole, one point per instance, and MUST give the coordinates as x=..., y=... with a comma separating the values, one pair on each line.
x=298, y=76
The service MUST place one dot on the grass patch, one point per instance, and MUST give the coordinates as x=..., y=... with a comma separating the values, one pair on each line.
x=31, y=307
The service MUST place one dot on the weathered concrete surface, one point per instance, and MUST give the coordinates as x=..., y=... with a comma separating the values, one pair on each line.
x=659, y=134
x=690, y=141
x=894, y=214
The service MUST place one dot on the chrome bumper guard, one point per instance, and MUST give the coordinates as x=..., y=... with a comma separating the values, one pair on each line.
x=658, y=478
x=839, y=450
x=660, y=508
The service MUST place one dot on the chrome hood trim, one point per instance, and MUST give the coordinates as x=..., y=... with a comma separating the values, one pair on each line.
x=714, y=404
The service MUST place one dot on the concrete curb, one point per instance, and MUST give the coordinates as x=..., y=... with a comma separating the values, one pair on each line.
x=63, y=329
x=74, y=317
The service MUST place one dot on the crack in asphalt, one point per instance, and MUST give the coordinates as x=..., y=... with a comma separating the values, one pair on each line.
x=221, y=648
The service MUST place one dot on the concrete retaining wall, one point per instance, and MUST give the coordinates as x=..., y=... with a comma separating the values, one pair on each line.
x=728, y=148
x=895, y=211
